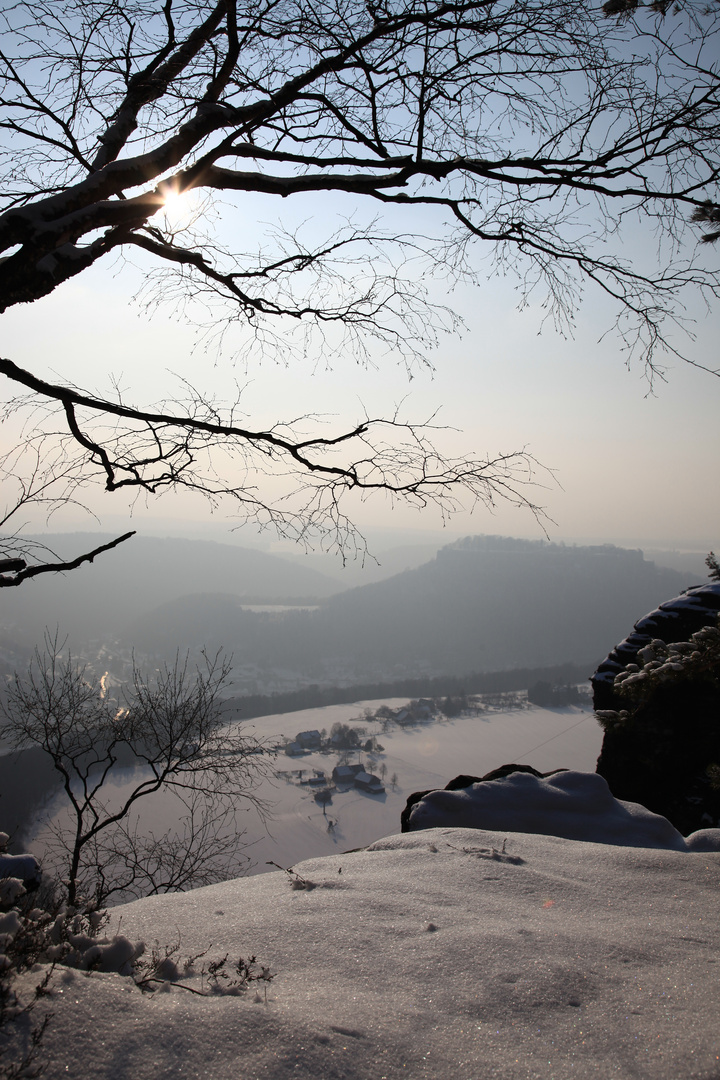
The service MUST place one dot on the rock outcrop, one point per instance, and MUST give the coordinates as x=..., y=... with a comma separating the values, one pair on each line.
x=662, y=713
x=675, y=620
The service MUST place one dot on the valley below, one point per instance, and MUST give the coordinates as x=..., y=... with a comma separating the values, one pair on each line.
x=292, y=825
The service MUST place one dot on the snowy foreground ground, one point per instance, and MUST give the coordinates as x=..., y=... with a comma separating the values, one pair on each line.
x=443, y=953
x=438, y=953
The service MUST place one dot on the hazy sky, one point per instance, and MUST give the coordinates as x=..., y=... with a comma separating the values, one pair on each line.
x=629, y=466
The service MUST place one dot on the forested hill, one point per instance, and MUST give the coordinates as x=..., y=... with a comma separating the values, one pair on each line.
x=101, y=598
x=482, y=604
x=491, y=602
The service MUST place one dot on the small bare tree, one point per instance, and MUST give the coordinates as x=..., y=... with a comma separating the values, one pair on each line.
x=175, y=734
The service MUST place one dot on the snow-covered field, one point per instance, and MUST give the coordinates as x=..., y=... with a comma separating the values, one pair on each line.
x=422, y=757
x=435, y=954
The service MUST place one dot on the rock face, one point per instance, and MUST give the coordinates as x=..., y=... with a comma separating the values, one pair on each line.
x=660, y=754
x=675, y=620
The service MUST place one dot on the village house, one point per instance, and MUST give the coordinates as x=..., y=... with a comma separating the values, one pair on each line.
x=345, y=774
x=368, y=782
x=317, y=780
x=309, y=740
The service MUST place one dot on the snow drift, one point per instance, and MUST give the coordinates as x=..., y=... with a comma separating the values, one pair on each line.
x=574, y=805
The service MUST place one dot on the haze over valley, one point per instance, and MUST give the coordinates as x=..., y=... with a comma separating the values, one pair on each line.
x=480, y=604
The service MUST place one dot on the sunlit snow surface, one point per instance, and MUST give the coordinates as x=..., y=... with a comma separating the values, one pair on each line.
x=440, y=953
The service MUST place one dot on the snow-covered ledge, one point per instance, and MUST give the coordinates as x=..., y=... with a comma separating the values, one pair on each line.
x=432, y=954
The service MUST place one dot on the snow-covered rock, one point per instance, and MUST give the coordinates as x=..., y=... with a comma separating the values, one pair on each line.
x=574, y=805
x=24, y=867
x=658, y=699
x=675, y=620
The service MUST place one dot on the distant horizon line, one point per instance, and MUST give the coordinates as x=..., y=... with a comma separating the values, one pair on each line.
x=172, y=529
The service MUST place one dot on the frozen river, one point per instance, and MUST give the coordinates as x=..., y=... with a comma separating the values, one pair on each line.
x=424, y=756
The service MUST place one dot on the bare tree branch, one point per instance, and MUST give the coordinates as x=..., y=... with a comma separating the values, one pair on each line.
x=157, y=450
x=538, y=132
x=23, y=572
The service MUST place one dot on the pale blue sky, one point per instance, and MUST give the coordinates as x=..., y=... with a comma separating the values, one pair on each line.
x=630, y=467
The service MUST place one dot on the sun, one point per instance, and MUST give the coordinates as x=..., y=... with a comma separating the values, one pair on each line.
x=177, y=210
